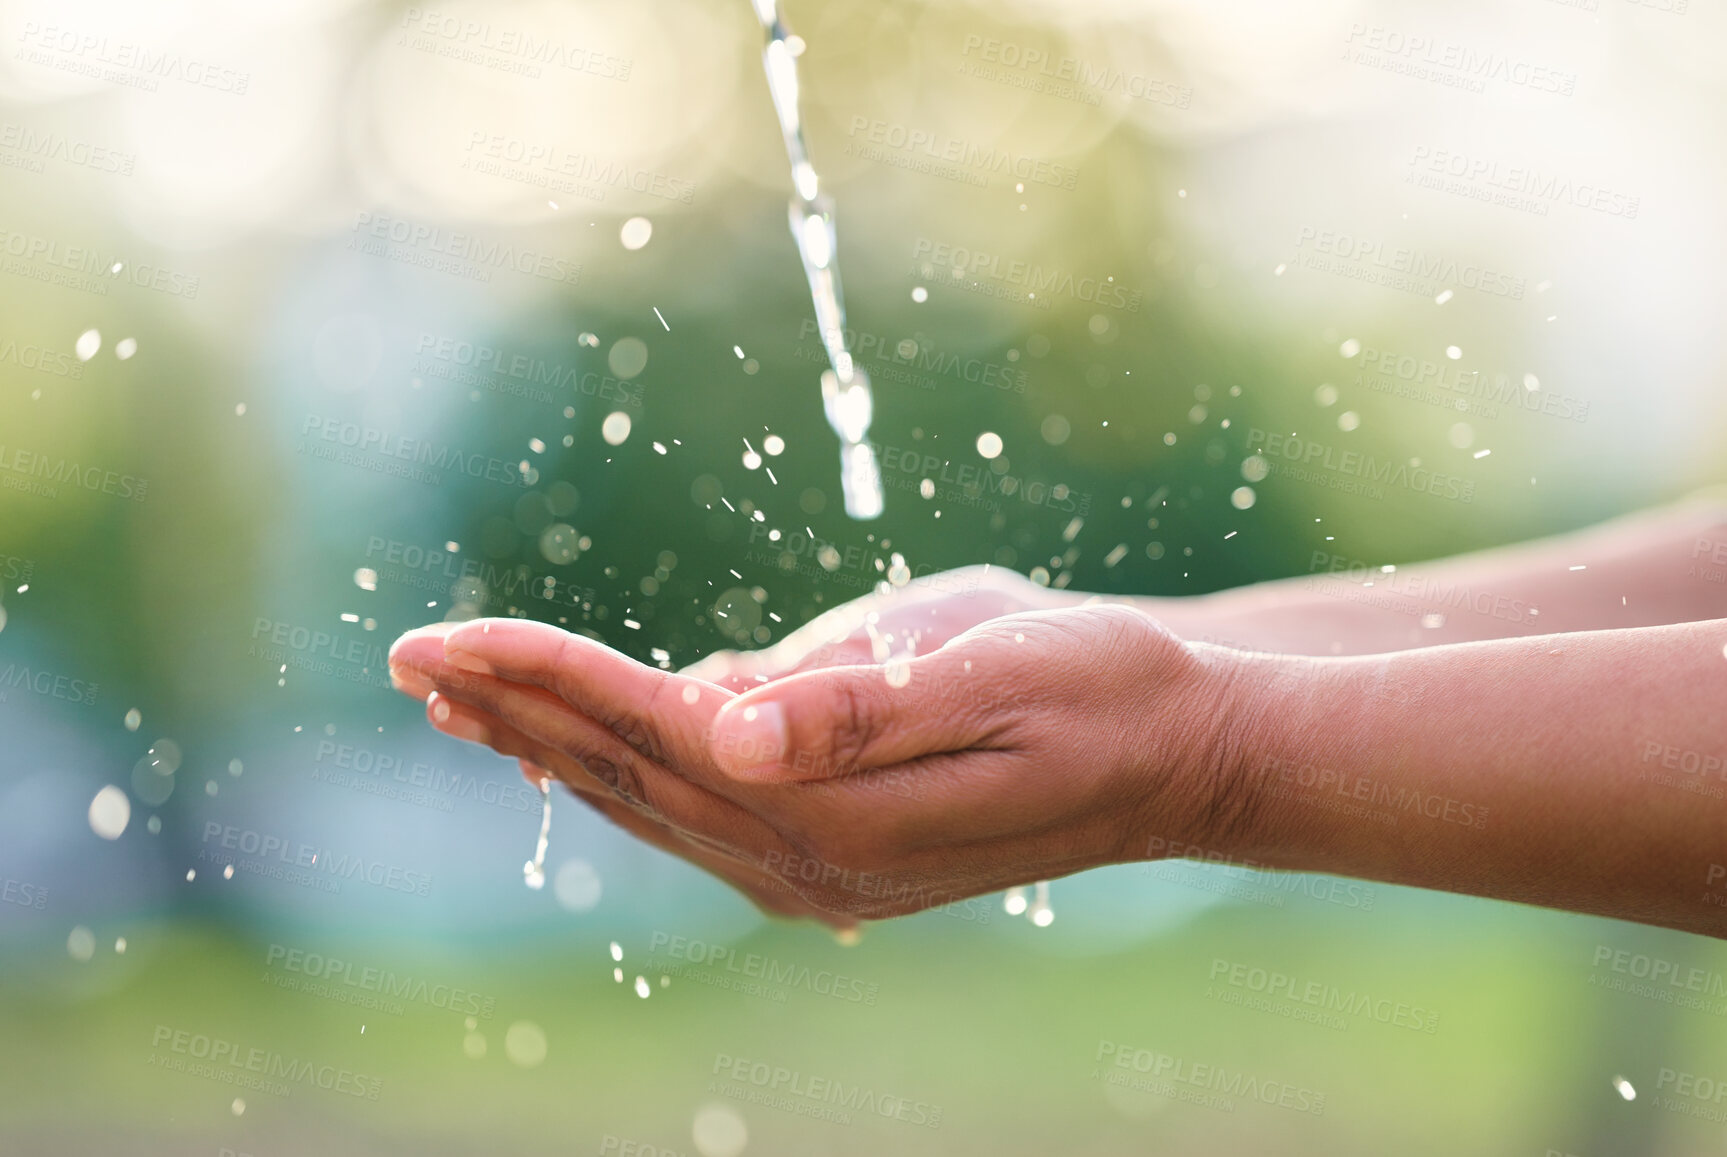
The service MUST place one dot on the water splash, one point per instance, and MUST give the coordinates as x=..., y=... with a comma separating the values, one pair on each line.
x=534, y=871
x=846, y=395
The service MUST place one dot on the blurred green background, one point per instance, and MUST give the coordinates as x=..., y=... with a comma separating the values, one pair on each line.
x=312, y=317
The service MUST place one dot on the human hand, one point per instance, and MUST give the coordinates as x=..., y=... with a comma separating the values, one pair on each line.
x=1031, y=746
x=913, y=619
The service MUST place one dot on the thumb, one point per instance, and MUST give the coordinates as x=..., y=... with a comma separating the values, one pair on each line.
x=834, y=721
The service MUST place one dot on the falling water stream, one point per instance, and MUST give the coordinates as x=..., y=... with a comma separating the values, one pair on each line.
x=846, y=395
x=846, y=392
x=845, y=387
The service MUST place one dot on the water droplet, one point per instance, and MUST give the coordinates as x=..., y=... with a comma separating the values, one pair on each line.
x=89, y=342
x=525, y=1044
x=643, y=989
x=125, y=348
x=774, y=445
x=81, y=944
x=628, y=357
x=110, y=812
x=1014, y=902
x=577, y=886
x=1242, y=497
x=1624, y=1088
x=615, y=428
x=989, y=445
x=534, y=871
x=1453, y=352
x=1349, y=348
x=636, y=232
x=1433, y=621
x=239, y=1106
x=617, y=951
x=719, y=1131
x=1325, y=394
x=690, y=694
x=134, y=718
x=474, y=1046
x=120, y=946
x=919, y=294
x=1462, y=435
x=1348, y=420
x=927, y=488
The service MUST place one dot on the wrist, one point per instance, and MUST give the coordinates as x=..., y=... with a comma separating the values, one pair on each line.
x=1202, y=714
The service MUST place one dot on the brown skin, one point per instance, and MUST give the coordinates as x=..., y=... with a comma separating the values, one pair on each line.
x=1031, y=737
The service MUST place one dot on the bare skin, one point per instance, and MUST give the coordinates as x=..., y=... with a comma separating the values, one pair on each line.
x=979, y=732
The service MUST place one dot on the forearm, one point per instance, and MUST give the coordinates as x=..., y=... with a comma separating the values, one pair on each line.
x=1653, y=568
x=1583, y=772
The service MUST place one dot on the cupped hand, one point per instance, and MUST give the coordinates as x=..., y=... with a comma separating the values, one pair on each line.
x=1030, y=746
x=912, y=619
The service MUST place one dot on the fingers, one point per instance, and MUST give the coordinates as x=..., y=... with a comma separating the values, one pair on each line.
x=767, y=893
x=530, y=721
x=661, y=715
x=835, y=722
